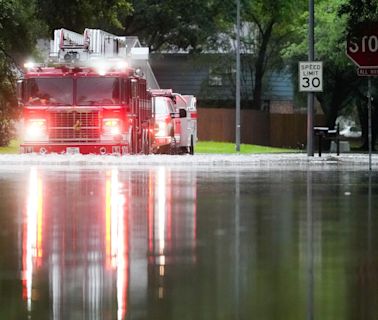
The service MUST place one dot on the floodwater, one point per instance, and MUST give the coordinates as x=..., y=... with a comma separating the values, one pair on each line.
x=205, y=243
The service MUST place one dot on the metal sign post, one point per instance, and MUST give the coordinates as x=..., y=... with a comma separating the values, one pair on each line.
x=369, y=73
x=237, y=116
x=370, y=138
x=310, y=95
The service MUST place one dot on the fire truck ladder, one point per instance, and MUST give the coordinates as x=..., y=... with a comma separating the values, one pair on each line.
x=69, y=46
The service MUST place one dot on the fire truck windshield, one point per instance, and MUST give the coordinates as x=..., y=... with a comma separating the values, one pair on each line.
x=49, y=91
x=97, y=91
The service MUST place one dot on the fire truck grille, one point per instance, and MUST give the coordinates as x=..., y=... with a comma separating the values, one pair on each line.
x=74, y=126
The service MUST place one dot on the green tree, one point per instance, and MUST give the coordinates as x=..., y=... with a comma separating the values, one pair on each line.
x=357, y=13
x=18, y=30
x=266, y=28
x=78, y=15
x=272, y=24
x=339, y=76
x=177, y=24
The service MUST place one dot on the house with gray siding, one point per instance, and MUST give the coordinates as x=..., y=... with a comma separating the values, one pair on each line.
x=211, y=78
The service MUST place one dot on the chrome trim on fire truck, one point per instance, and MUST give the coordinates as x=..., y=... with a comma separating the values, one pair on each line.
x=72, y=125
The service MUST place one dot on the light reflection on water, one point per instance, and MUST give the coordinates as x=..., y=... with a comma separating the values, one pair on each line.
x=97, y=234
x=185, y=244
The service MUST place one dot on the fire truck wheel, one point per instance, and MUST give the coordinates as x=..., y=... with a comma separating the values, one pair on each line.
x=131, y=143
x=191, y=148
x=173, y=146
x=135, y=142
x=145, y=142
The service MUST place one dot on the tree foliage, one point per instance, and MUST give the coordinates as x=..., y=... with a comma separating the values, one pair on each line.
x=77, y=15
x=272, y=23
x=177, y=24
x=339, y=76
x=359, y=13
x=18, y=28
x=18, y=32
x=266, y=29
x=342, y=87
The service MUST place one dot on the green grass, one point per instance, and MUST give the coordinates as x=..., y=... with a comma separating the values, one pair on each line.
x=12, y=148
x=226, y=147
x=201, y=147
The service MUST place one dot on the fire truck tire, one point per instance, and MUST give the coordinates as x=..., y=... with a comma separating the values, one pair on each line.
x=143, y=145
x=134, y=142
x=145, y=142
x=173, y=146
x=191, y=147
x=131, y=141
x=140, y=144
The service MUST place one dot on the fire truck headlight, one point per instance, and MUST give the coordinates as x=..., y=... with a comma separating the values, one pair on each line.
x=111, y=126
x=35, y=130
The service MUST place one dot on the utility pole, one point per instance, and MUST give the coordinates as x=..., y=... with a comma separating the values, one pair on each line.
x=310, y=95
x=237, y=116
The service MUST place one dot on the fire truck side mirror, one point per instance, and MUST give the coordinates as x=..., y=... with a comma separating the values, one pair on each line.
x=20, y=91
x=182, y=113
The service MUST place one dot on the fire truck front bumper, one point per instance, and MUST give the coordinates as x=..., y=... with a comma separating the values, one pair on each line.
x=87, y=148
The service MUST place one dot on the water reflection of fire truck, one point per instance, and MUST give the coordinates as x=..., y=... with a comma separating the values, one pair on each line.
x=89, y=100
x=90, y=246
x=81, y=252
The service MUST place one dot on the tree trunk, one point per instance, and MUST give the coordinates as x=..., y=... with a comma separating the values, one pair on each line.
x=260, y=65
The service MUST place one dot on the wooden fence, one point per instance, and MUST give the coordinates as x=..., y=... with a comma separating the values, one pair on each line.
x=257, y=127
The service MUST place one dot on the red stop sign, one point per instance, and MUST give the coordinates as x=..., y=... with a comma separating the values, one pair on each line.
x=362, y=46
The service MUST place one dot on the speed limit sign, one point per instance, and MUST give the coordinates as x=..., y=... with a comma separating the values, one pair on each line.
x=310, y=76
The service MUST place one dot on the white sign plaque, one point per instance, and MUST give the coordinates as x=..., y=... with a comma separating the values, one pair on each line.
x=310, y=76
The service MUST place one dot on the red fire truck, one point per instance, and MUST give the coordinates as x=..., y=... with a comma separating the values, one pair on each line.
x=89, y=99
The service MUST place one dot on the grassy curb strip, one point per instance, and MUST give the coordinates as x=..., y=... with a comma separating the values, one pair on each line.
x=13, y=148
x=229, y=148
x=202, y=147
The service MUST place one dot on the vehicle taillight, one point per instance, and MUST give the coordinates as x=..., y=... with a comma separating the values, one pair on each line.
x=36, y=130
x=111, y=126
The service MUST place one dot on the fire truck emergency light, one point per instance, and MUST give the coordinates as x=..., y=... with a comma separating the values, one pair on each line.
x=104, y=66
x=29, y=65
x=120, y=64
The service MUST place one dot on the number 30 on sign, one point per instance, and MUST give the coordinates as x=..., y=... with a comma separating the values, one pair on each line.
x=310, y=76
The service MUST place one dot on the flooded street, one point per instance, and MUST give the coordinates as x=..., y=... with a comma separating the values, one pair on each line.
x=199, y=243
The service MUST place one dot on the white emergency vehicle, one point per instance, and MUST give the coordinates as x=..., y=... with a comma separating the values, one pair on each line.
x=177, y=130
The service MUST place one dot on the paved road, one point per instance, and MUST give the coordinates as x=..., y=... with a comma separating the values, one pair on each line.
x=281, y=161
